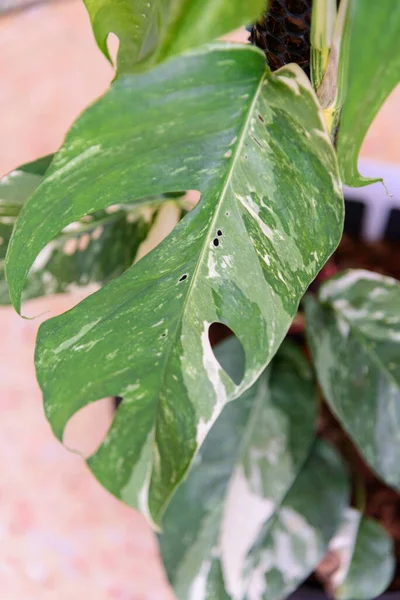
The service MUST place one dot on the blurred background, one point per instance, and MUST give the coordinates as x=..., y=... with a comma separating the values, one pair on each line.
x=61, y=535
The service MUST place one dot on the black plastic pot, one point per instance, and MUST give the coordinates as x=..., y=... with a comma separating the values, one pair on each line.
x=373, y=212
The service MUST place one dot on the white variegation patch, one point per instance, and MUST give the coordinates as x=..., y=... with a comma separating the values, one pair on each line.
x=244, y=514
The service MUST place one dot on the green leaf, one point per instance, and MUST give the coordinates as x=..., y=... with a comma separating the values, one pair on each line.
x=366, y=556
x=94, y=250
x=136, y=23
x=271, y=212
x=194, y=22
x=354, y=335
x=244, y=470
x=165, y=27
x=370, y=69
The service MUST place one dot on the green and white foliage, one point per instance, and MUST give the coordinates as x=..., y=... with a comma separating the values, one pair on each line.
x=354, y=333
x=261, y=502
x=292, y=543
x=255, y=145
x=150, y=31
x=255, y=514
x=367, y=562
x=92, y=250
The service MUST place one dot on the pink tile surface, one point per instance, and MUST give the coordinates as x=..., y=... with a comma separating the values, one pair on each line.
x=50, y=70
x=61, y=535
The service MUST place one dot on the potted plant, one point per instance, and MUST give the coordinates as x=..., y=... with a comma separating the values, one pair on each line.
x=222, y=446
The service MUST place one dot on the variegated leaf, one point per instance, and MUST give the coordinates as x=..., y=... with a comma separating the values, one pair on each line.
x=369, y=69
x=354, y=334
x=90, y=253
x=271, y=212
x=366, y=555
x=157, y=29
x=15, y=188
x=293, y=542
x=18, y=185
x=94, y=250
x=245, y=468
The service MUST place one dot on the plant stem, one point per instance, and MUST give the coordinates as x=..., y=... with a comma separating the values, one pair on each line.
x=323, y=21
x=331, y=91
x=360, y=494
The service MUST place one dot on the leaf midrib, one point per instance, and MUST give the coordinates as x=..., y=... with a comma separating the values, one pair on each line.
x=235, y=155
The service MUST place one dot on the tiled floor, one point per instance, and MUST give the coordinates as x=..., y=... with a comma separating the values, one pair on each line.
x=62, y=537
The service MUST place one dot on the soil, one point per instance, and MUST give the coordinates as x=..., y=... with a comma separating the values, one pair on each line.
x=382, y=503
x=381, y=257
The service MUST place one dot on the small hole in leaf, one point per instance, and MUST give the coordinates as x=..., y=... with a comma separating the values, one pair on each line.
x=227, y=213
x=163, y=335
x=216, y=242
x=183, y=277
x=219, y=232
x=260, y=118
x=228, y=350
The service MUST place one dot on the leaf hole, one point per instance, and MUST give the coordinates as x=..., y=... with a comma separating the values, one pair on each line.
x=257, y=142
x=228, y=350
x=219, y=232
x=88, y=427
x=260, y=118
x=216, y=242
x=182, y=278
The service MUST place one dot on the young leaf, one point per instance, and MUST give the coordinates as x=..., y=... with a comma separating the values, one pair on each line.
x=369, y=64
x=366, y=558
x=354, y=335
x=247, y=464
x=165, y=27
x=271, y=212
x=136, y=23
